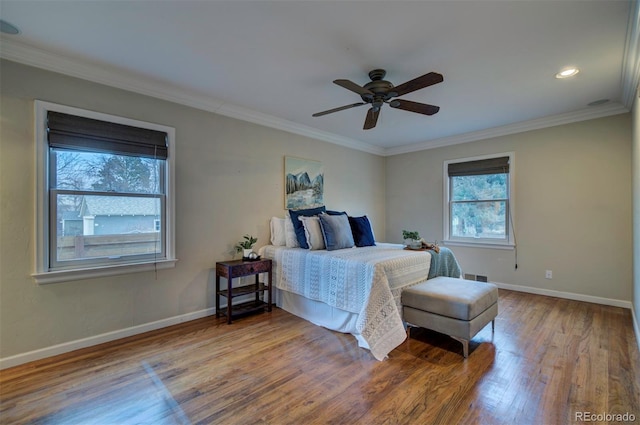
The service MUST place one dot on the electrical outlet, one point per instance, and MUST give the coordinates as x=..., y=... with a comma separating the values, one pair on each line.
x=548, y=274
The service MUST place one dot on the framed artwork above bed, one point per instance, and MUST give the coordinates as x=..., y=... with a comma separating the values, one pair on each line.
x=303, y=182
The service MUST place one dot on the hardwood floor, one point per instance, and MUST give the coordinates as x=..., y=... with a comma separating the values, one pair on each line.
x=549, y=360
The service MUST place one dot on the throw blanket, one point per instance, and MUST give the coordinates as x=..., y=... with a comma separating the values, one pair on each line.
x=444, y=264
x=367, y=281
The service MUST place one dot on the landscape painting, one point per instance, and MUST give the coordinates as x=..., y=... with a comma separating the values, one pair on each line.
x=304, y=183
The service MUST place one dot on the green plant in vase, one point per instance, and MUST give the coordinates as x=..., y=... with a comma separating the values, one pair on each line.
x=412, y=239
x=246, y=246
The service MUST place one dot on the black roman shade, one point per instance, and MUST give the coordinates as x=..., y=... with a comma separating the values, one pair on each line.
x=483, y=166
x=67, y=131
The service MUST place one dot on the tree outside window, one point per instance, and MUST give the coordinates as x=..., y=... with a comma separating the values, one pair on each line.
x=478, y=196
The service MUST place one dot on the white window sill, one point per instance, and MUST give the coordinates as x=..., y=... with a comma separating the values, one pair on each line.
x=483, y=244
x=77, y=274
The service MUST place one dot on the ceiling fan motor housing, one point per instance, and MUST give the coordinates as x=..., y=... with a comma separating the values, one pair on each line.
x=379, y=87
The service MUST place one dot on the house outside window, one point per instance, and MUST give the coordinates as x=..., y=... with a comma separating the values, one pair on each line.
x=105, y=201
x=478, y=205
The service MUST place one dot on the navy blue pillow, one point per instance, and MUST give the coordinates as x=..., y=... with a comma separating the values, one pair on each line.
x=298, y=227
x=362, y=233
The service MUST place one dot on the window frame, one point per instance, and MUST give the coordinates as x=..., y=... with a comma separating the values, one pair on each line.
x=44, y=273
x=509, y=241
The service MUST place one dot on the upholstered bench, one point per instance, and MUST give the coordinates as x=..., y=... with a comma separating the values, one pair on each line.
x=455, y=307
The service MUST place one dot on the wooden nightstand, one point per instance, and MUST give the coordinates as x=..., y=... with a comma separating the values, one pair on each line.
x=239, y=268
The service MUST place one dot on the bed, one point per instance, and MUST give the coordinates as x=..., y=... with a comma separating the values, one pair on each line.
x=329, y=269
x=354, y=290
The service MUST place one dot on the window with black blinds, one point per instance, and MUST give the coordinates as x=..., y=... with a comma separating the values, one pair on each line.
x=483, y=166
x=65, y=131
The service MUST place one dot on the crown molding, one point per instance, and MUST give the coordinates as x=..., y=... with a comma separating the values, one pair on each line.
x=520, y=127
x=291, y=127
x=16, y=51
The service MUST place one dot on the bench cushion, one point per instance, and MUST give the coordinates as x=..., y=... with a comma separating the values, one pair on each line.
x=450, y=297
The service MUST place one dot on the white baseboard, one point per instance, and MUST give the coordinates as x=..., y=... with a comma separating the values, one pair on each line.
x=99, y=339
x=566, y=295
x=636, y=328
x=135, y=330
x=578, y=297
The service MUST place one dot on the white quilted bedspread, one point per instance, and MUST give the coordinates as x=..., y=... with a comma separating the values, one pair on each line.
x=367, y=281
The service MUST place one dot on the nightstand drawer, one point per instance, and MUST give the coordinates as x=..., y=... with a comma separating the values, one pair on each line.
x=246, y=268
x=251, y=268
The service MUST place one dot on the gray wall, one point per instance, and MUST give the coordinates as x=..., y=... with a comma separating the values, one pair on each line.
x=572, y=206
x=229, y=181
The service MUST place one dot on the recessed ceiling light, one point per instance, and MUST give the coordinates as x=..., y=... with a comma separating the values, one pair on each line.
x=7, y=28
x=567, y=72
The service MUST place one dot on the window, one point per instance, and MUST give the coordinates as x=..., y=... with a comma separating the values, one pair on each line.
x=105, y=201
x=478, y=201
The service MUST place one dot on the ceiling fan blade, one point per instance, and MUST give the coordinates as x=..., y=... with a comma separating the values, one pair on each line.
x=418, y=83
x=341, y=108
x=420, y=108
x=350, y=85
x=372, y=118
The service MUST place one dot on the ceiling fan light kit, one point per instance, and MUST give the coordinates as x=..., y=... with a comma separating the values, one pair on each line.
x=377, y=92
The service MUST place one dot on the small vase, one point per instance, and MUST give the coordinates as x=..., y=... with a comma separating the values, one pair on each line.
x=413, y=243
x=246, y=252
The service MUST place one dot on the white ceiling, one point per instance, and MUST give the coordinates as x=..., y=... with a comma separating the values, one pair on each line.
x=273, y=62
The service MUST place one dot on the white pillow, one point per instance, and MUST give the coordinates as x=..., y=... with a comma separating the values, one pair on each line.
x=291, y=240
x=313, y=232
x=277, y=231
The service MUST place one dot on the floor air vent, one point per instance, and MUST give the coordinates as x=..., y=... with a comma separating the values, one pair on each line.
x=477, y=278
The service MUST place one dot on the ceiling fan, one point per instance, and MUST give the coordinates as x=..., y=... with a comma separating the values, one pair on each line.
x=378, y=92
